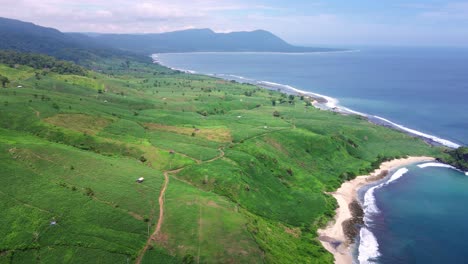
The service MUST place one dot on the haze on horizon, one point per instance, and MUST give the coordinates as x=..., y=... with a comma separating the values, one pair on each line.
x=306, y=22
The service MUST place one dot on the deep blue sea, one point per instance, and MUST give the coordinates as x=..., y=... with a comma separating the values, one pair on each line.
x=420, y=217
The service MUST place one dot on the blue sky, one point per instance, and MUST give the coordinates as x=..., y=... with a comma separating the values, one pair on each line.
x=311, y=22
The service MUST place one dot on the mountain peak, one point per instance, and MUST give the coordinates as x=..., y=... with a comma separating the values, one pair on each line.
x=199, y=40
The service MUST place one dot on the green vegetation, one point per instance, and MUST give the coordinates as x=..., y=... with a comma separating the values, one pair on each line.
x=457, y=158
x=79, y=48
x=4, y=80
x=41, y=62
x=247, y=173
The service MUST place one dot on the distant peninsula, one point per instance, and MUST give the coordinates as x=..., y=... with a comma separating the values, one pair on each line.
x=84, y=47
x=202, y=40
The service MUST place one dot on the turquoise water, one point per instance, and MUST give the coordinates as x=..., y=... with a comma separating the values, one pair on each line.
x=421, y=218
x=415, y=216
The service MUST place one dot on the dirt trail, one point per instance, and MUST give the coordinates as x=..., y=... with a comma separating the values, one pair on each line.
x=221, y=154
x=161, y=205
x=161, y=216
x=153, y=236
x=187, y=156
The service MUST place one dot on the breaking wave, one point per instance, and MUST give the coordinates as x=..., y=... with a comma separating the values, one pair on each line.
x=442, y=165
x=368, y=245
x=327, y=102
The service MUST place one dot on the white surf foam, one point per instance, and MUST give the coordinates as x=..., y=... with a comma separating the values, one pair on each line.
x=240, y=77
x=331, y=103
x=435, y=164
x=441, y=165
x=370, y=207
x=368, y=247
x=442, y=141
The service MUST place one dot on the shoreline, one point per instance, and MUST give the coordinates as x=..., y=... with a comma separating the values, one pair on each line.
x=324, y=102
x=333, y=237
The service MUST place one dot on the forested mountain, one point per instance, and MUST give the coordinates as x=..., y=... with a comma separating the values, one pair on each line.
x=28, y=37
x=83, y=48
x=194, y=40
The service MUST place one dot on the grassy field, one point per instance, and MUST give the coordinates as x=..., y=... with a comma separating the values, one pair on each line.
x=244, y=185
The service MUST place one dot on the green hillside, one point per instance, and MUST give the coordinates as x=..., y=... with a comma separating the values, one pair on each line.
x=27, y=37
x=238, y=183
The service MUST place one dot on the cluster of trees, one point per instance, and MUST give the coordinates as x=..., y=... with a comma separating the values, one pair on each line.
x=4, y=80
x=457, y=158
x=38, y=61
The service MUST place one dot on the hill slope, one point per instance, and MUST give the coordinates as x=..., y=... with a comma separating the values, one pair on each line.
x=28, y=37
x=232, y=173
x=197, y=40
x=246, y=179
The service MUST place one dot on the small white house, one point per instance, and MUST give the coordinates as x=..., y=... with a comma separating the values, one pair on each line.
x=140, y=180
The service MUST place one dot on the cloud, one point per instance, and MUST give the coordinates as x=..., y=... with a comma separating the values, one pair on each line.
x=298, y=21
x=122, y=15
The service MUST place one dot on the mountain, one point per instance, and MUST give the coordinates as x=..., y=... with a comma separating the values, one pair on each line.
x=28, y=37
x=85, y=47
x=199, y=40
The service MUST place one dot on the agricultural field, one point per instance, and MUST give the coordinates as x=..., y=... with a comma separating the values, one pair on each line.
x=225, y=180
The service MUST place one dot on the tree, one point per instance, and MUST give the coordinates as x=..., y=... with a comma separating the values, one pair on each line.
x=55, y=106
x=4, y=80
x=273, y=102
x=188, y=259
x=89, y=192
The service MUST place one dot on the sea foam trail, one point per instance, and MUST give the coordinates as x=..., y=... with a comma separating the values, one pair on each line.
x=442, y=141
x=368, y=245
x=331, y=103
x=370, y=207
x=441, y=165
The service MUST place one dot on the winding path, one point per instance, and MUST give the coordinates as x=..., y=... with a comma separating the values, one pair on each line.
x=161, y=206
x=161, y=215
x=153, y=236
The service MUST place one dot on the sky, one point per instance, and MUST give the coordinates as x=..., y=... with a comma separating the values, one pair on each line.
x=306, y=22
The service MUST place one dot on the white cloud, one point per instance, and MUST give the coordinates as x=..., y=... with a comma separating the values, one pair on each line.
x=309, y=22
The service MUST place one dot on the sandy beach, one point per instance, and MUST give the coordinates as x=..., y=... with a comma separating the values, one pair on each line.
x=333, y=237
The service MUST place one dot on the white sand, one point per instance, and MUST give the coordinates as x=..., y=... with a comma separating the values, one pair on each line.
x=344, y=196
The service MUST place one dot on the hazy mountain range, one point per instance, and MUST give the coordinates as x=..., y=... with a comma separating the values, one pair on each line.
x=28, y=37
x=199, y=40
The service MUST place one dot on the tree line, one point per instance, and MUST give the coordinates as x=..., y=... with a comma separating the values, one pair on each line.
x=39, y=61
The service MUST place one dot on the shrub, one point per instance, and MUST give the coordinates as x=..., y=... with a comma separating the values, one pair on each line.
x=89, y=192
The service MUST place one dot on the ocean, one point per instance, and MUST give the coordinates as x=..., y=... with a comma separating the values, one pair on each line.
x=416, y=215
